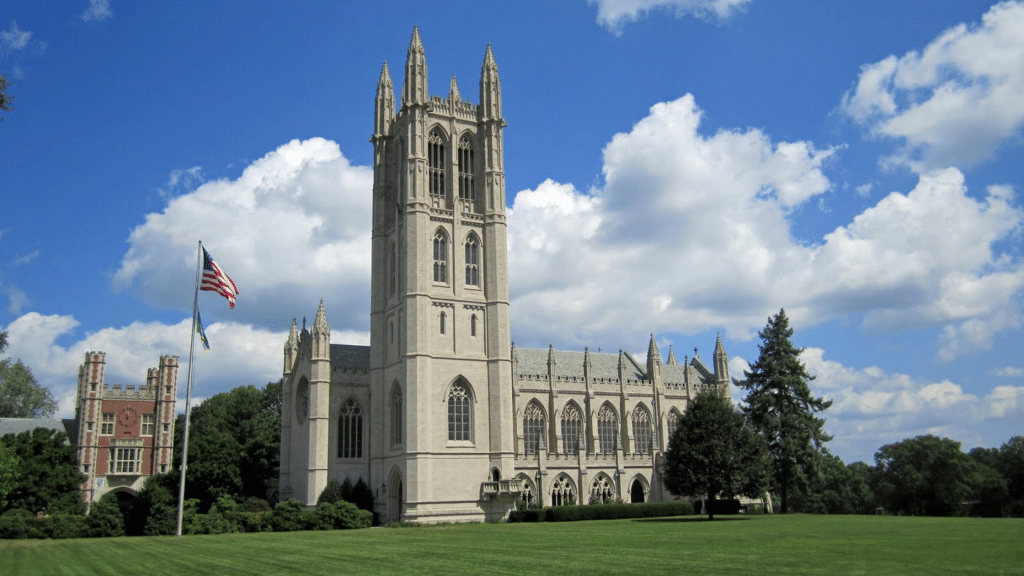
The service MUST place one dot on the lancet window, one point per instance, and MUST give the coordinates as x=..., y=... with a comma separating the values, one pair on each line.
x=533, y=427
x=572, y=428
x=467, y=188
x=350, y=430
x=436, y=168
x=472, y=261
x=642, y=430
x=459, y=415
x=392, y=271
x=440, y=257
x=396, y=415
x=472, y=325
x=673, y=422
x=607, y=429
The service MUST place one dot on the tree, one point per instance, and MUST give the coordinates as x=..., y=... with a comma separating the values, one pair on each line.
x=840, y=489
x=1011, y=465
x=931, y=476
x=5, y=104
x=48, y=479
x=8, y=471
x=780, y=405
x=20, y=395
x=234, y=444
x=715, y=451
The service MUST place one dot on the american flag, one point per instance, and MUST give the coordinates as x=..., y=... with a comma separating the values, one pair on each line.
x=214, y=279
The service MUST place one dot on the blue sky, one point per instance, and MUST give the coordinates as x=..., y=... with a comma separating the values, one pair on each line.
x=681, y=168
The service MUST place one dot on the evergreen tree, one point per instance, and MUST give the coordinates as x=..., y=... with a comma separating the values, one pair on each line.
x=715, y=452
x=780, y=405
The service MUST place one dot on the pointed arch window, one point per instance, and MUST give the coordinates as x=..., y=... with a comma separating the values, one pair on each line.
x=392, y=271
x=472, y=261
x=459, y=414
x=563, y=492
x=673, y=422
x=572, y=428
x=533, y=427
x=444, y=318
x=467, y=186
x=602, y=490
x=350, y=430
x=440, y=257
x=472, y=325
x=396, y=415
x=607, y=429
x=642, y=430
x=436, y=168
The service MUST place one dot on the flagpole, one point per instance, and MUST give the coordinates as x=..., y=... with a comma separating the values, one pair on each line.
x=188, y=390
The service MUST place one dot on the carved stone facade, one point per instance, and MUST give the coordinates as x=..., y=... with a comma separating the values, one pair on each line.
x=441, y=415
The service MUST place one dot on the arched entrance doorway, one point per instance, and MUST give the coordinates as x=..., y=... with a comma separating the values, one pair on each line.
x=636, y=492
x=395, y=497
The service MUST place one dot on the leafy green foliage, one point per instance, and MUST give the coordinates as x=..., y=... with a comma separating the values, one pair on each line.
x=602, y=512
x=341, y=515
x=20, y=395
x=234, y=444
x=1011, y=465
x=839, y=489
x=8, y=471
x=105, y=517
x=48, y=479
x=290, y=516
x=931, y=476
x=780, y=405
x=715, y=451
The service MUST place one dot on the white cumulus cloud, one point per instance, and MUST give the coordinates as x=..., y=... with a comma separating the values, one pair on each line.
x=98, y=11
x=14, y=38
x=613, y=14
x=955, y=102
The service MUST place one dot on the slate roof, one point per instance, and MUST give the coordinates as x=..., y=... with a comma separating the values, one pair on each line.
x=19, y=425
x=533, y=362
x=350, y=357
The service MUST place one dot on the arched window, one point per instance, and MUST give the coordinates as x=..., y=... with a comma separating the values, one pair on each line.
x=392, y=272
x=467, y=189
x=472, y=261
x=528, y=494
x=533, y=427
x=572, y=428
x=607, y=429
x=459, y=415
x=350, y=430
x=472, y=325
x=436, y=169
x=440, y=257
x=396, y=415
x=444, y=317
x=563, y=492
x=642, y=430
x=673, y=421
x=602, y=490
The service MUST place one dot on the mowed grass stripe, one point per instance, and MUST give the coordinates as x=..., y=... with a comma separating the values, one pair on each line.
x=794, y=544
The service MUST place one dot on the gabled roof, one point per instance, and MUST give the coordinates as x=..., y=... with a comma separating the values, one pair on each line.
x=350, y=356
x=533, y=362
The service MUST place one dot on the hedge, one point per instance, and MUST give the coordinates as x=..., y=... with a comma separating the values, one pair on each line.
x=602, y=512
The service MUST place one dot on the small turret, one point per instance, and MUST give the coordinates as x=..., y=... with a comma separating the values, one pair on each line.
x=721, y=362
x=490, y=88
x=291, y=348
x=653, y=360
x=321, y=335
x=414, y=91
x=384, y=105
x=671, y=357
x=453, y=91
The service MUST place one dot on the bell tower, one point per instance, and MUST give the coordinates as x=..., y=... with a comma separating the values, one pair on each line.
x=440, y=365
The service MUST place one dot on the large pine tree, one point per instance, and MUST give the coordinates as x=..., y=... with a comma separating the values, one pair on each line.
x=780, y=405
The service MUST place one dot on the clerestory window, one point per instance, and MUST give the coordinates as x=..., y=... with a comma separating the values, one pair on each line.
x=607, y=429
x=572, y=427
x=642, y=430
x=533, y=427
x=350, y=430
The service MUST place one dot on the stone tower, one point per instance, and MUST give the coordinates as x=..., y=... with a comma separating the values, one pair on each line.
x=440, y=368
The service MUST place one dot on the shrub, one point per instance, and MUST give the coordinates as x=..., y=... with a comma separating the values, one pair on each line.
x=332, y=492
x=602, y=512
x=61, y=526
x=105, y=518
x=343, y=516
x=253, y=505
x=13, y=527
x=209, y=524
x=290, y=516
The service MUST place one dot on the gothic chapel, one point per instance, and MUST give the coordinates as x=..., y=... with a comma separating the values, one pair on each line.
x=441, y=415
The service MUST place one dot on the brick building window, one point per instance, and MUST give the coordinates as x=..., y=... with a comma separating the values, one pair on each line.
x=107, y=425
x=126, y=461
x=148, y=424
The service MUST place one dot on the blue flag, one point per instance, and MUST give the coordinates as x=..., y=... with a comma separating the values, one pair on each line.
x=202, y=333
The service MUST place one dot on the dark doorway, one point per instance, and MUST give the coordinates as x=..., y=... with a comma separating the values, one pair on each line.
x=636, y=493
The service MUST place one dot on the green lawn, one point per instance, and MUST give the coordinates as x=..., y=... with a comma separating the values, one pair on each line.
x=794, y=544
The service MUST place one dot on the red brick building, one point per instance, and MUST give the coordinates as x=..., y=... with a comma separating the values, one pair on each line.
x=125, y=434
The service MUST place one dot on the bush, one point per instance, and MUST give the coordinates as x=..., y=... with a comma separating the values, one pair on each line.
x=253, y=505
x=209, y=524
x=61, y=526
x=341, y=516
x=602, y=512
x=290, y=516
x=13, y=527
x=105, y=518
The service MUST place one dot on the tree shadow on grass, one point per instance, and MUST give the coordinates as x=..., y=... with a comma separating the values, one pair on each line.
x=692, y=519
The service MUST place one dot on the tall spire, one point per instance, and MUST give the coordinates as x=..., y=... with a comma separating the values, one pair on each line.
x=415, y=88
x=453, y=91
x=653, y=360
x=384, y=105
x=721, y=361
x=671, y=357
x=490, y=88
x=321, y=333
x=291, y=348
